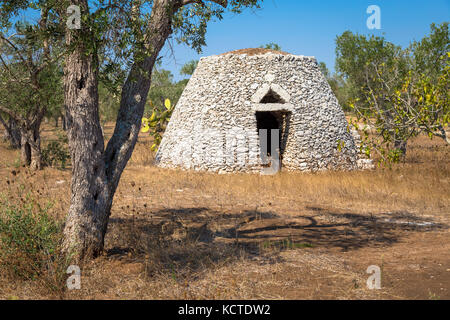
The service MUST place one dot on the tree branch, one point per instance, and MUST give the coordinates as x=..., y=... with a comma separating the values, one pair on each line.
x=181, y=3
x=135, y=89
x=9, y=42
x=223, y=3
x=12, y=114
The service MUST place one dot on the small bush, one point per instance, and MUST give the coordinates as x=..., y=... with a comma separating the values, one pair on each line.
x=55, y=153
x=30, y=243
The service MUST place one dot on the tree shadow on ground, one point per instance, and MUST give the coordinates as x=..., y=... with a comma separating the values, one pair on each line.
x=189, y=240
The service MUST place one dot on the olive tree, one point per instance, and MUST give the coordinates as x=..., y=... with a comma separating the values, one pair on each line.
x=30, y=83
x=397, y=93
x=123, y=36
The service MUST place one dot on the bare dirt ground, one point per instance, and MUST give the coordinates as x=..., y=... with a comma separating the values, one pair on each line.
x=185, y=235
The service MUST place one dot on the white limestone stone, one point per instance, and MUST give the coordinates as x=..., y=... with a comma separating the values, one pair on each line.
x=220, y=102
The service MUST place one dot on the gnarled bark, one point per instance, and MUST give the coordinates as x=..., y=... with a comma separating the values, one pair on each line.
x=31, y=154
x=90, y=200
x=25, y=152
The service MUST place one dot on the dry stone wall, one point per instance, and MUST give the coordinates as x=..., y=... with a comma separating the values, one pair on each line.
x=214, y=127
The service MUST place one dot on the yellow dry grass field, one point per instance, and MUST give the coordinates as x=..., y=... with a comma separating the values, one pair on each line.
x=189, y=235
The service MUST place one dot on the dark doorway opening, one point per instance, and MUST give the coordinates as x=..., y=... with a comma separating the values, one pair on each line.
x=273, y=120
x=268, y=120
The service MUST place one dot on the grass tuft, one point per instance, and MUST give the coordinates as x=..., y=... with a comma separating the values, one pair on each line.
x=30, y=243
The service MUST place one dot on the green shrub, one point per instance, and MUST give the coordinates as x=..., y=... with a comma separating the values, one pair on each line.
x=30, y=243
x=55, y=153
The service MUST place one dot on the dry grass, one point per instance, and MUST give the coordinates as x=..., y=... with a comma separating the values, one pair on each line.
x=420, y=185
x=188, y=235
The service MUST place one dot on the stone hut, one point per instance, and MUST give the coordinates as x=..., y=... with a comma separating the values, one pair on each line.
x=219, y=121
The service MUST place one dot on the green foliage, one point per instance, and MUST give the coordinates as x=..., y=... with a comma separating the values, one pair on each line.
x=109, y=103
x=271, y=46
x=24, y=97
x=396, y=93
x=9, y=8
x=339, y=86
x=56, y=153
x=163, y=87
x=323, y=68
x=429, y=51
x=358, y=57
x=51, y=93
x=30, y=243
x=162, y=98
x=30, y=81
x=189, y=68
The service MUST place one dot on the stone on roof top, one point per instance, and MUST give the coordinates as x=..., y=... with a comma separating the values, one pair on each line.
x=255, y=51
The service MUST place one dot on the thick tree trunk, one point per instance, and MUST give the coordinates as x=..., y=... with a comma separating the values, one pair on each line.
x=6, y=133
x=36, y=154
x=36, y=159
x=96, y=171
x=90, y=201
x=31, y=154
x=25, y=152
x=63, y=123
x=12, y=132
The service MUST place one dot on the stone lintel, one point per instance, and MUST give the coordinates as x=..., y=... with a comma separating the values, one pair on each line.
x=283, y=107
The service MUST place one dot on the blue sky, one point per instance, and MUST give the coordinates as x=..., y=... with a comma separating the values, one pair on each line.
x=310, y=27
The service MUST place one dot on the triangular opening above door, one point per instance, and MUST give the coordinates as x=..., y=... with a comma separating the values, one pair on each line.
x=271, y=94
x=272, y=97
